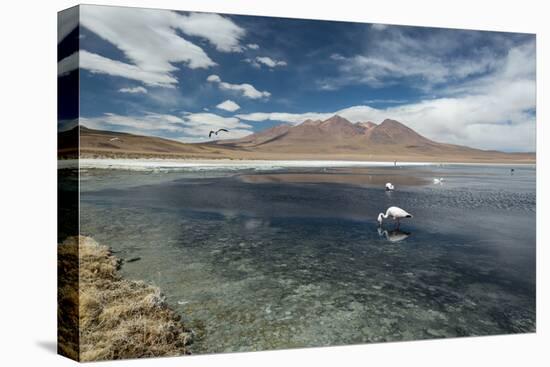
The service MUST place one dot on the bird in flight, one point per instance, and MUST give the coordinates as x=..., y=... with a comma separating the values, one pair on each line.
x=216, y=132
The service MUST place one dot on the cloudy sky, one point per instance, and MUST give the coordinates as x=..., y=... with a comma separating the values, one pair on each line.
x=179, y=75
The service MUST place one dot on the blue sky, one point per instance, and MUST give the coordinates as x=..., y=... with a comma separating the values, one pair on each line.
x=180, y=74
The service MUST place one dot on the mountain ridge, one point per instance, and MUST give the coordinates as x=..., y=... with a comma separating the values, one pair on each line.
x=335, y=138
x=337, y=129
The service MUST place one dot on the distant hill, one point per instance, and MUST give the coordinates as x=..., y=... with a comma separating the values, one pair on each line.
x=333, y=139
x=100, y=143
x=338, y=136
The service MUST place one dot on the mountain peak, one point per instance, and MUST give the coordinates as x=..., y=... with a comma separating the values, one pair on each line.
x=339, y=126
x=366, y=125
x=311, y=122
x=391, y=122
x=336, y=119
x=394, y=132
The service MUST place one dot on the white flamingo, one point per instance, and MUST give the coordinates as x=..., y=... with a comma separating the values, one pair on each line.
x=438, y=181
x=395, y=213
x=389, y=186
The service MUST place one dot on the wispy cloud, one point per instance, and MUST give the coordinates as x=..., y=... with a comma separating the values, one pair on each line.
x=198, y=126
x=155, y=50
x=220, y=31
x=265, y=61
x=379, y=27
x=133, y=90
x=464, y=87
x=247, y=90
x=190, y=127
x=102, y=65
x=493, y=112
x=427, y=61
x=385, y=101
x=139, y=124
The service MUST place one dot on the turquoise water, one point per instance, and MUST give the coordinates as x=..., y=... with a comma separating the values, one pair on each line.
x=253, y=266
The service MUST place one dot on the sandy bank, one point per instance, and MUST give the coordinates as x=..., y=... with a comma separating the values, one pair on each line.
x=117, y=318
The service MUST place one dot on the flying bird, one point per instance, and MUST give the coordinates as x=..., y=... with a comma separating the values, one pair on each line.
x=438, y=181
x=389, y=186
x=216, y=132
x=395, y=213
x=114, y=139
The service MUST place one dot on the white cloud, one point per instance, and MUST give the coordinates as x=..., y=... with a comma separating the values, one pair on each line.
x=246, y=89
x=253, y=46
x=145, y=124
x=425, y=61
x=293, y=118
x=266, y=61
x=149, y=39
x=213, y=79
x=493, y=112
x=102, y=65
x=385, y=100
x=253, y=62
x=133, y=90
x=379, y=27
x=218, y=30
x=191, y=127
x=198, y=126
x=228, y=105
x=454, y=120
x=270, y=62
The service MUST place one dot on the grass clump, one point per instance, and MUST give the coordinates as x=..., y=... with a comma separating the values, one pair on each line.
x=120, y=318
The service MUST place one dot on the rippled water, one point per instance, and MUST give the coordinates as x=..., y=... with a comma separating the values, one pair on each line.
x=255, y=266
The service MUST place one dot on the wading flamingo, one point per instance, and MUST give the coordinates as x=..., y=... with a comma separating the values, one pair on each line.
x=395, y=213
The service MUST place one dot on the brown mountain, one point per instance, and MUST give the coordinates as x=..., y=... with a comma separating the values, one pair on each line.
x=111, y=144
x=262, y=137
x=333, y=139
x=366, y=125
x=337, y=138
x=336, y=134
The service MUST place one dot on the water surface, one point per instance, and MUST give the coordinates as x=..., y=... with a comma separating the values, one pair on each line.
x=257, y=261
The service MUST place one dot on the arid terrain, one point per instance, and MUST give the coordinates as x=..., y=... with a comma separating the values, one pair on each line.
x=333, y=139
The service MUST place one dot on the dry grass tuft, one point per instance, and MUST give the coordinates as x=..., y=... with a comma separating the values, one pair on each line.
x=119, y=318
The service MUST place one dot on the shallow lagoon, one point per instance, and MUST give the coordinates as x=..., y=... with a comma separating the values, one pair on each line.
x=276, y=262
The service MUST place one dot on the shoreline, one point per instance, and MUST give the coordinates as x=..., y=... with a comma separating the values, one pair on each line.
x=146, y=164
x=104, y=316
